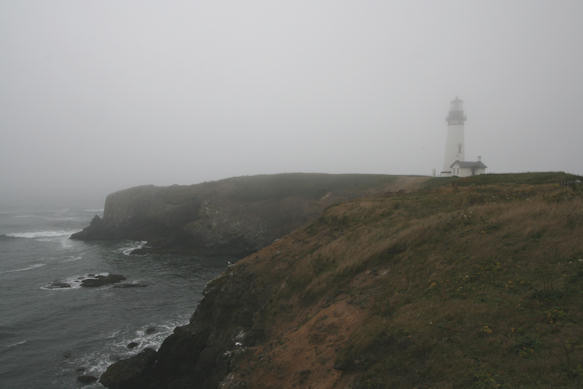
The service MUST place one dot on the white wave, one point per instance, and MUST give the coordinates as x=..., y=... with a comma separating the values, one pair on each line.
x=144, y=338
x=66, y=243
x=117, y=346
x=127, y=250
x=63, y=218
x=41, y=234
x=73, y=258
x=31, y=267
x=16, y=344
x=114, y=334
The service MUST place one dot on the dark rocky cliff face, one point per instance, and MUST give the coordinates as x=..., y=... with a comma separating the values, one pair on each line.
x=235, y=216
x=200, y=354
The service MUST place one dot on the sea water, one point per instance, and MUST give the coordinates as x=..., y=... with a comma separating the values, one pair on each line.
x=49, y=336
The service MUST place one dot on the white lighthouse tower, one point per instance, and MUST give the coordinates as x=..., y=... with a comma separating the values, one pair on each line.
x=454, y=163
x=454, y=146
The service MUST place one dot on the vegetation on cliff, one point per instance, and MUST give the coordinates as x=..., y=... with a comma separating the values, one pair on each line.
x=464, y=283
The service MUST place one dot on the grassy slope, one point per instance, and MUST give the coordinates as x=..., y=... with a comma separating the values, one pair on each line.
x=475, y=284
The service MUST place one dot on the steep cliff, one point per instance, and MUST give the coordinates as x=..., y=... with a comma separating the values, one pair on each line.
x=234, y=216
x=466, y=283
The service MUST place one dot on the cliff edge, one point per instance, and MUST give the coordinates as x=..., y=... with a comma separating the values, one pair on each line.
x=235, y=216
x=465, y=283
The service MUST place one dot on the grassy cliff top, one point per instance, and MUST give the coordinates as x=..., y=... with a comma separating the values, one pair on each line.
x=471, y=282
x=270, y=186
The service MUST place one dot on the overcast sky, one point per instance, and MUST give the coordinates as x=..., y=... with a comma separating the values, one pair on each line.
x=96, y=96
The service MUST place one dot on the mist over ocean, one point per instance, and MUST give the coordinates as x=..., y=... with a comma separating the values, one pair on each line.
x=49, y=336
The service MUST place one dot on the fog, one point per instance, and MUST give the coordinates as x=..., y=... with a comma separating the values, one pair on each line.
x=97, y=96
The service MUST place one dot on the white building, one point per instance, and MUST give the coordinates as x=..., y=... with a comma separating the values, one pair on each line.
x=454, y=163
x=467, y=168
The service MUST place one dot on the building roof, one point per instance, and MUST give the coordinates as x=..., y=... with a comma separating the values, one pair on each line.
x=469, y=164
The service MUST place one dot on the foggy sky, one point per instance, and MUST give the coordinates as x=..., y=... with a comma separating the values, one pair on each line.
x=96, y=96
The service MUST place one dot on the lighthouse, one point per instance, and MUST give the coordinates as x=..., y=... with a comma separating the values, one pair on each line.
x=454, y=145
x=454, y=163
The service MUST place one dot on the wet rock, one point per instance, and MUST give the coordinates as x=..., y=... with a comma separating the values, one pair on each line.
x=59, y=285
x=197, y=355
x=130, y=373
x=101, y=280
x=86, y=379
x=151, y=330
x=97, y=230
x=132, y=345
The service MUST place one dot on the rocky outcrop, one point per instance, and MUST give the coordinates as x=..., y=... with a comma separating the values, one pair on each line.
x=102, y=280
x=200, y=354
x=130, y=373
x=92, y=281
x=235, y=216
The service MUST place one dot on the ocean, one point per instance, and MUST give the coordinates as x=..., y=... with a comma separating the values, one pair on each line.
x=53, y=330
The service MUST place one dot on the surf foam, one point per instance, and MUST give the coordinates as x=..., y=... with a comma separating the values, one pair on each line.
x=73, y=258
x=31, y=267
x=127, y=250
x=117, y=346
x=40, y=234
x=16, y=344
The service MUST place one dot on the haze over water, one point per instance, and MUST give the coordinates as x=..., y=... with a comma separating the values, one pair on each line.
x=103, y=95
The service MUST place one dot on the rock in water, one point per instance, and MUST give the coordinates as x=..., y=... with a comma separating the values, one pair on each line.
x=129, y=373
x=101, y=280
x=59, y=285
x=132, y=345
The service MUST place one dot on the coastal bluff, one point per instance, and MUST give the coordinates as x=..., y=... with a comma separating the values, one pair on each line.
x=234, y=216
x=464, y=283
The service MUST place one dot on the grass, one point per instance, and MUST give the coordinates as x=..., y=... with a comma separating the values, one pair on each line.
x=507, y=178
x=309, y=185
x=476, y=285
